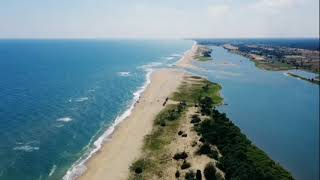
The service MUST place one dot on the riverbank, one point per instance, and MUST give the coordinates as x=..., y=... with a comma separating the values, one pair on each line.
x=260, y=61
x=314, y=81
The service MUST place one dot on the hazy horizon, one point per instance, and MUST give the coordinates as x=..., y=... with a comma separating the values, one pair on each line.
x=97, y=19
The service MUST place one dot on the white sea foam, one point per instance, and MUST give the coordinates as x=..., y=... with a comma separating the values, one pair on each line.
x=82, y=99
x=176, y=55
x=79, y=167
x=286, y=74
x=26, y=148
x=53, y=169
x=59, y=125
x=149, y=66
x=124, y=74
x=170, y=58
x=64, y=119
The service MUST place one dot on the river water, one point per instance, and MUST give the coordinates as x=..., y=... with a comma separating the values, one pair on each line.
x=279, y=113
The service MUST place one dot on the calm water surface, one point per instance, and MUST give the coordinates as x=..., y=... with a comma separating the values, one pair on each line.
x=278, y=113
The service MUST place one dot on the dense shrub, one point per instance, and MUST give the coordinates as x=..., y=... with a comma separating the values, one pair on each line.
x=177, y=174
x=195, y=119
x=206, y=149
x=206, y=104
x=172, y=113
x=138, y=170
x=138, y=166
x=190, y=175
x=202, y=140
x=241, y=159
x=210, y=172
x=163, y=123
x=182, y=155
x=194, y=143
x=185, y=165
x=198, y=175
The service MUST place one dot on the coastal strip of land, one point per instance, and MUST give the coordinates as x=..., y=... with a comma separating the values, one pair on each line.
x=192, y=140
x=197, y=52
x=112, y=161
x=115, y=157
x=311, y=80
x=174, y=132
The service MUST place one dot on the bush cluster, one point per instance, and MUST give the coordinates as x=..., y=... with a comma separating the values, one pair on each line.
x=206, y=149
x=210, y=172
x=185, y=165
x=195, y=119
x=183, y=155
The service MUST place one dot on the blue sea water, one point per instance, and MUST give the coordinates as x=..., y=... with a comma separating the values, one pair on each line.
x=279, y=113
x=57, y=97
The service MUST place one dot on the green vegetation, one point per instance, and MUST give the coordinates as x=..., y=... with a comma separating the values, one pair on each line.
x=206, y=149
x=315, y=81
x=198, y=88
x=240, y=158
x=198, y=175
x=139, y=166
x=210, y=172
x=275, y=66
x=160, y=135
x=183, y=155
x=185, y=165
x=203, y=53
x=154, y=155
x=203, y=58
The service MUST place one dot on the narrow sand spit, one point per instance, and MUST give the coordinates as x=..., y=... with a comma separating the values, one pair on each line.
x=115, y=157
x=185, y=61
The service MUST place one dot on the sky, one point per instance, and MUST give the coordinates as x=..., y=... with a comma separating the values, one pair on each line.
x=158, y=19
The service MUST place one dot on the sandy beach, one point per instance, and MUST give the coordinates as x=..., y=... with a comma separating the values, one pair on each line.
x=115, y=157
x=113, y=160
x=185, y=61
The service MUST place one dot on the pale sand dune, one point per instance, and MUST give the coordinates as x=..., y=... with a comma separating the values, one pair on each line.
x=112, y=162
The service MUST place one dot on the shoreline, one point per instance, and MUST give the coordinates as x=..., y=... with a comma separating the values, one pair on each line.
x=79, y=167
x=112, y=161
x=87, y=167
x=82, y=167
x=128, y=149
x=313, y=81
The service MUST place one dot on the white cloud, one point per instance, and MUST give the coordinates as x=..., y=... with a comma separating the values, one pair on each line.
x=218, y=10
x=275, y=4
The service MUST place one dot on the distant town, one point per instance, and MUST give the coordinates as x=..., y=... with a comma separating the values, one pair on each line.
x=274, y=56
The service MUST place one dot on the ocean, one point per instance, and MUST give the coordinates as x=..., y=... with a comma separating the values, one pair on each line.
x=60, y=98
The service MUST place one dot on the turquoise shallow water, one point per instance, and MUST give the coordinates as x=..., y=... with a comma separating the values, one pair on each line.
x=280, y=114
x=58, y=96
